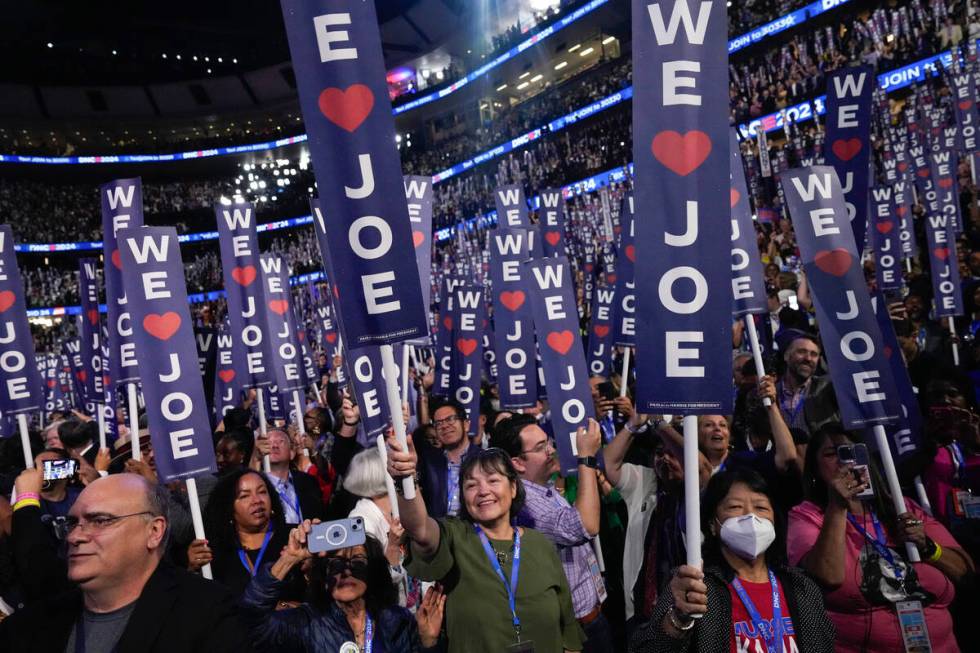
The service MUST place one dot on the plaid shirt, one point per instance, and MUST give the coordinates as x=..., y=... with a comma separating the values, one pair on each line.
x=546, y=511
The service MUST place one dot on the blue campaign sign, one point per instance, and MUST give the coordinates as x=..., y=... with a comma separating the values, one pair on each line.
x=852, y=341
x=285, y=356
x=336, y=52
x=122, y=206
x=683, y=301
x=886, y=239
x=20, y=381
x=468, y=351
x=748, y=285
x=90, y=331
x=163, y=332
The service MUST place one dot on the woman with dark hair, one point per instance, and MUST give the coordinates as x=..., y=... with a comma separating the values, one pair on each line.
x=747, y=598
x=353, y=606
x=244, y=523
x=855, y=549
x=505, y=586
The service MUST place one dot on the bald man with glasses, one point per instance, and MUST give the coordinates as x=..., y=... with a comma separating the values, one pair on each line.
x=116, y=593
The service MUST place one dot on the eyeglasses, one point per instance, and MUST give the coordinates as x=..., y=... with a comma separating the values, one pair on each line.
x=96, y=523
x=541, y=447
x=445, y=421
x=337, y=566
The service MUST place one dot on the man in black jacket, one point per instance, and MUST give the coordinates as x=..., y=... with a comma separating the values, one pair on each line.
x=119, y=596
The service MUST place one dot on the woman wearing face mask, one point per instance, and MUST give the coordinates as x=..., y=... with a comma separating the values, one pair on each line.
x=855, y=549
x=353, y=607
x=747, y=598
x=505, y=585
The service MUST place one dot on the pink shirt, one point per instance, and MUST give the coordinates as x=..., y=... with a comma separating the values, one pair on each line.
x=860, y=625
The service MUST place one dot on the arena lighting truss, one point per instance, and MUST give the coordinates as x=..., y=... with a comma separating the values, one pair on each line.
x=889, y=81
x=792, y=19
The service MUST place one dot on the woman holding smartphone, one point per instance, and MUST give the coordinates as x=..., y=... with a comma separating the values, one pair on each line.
x=855, y=549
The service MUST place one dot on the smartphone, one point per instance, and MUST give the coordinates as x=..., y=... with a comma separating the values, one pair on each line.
x=338, y=534
x=58, y=470
x=606, y=390
x=856, y=455
x=793, y=303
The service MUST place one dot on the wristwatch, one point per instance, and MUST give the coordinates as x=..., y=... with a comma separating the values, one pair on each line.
x=588, y=461
x=642, y=428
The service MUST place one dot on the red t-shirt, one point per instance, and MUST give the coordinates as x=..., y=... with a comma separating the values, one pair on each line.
x=745, y=638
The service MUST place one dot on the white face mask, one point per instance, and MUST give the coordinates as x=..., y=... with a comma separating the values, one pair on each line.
x=748, y=536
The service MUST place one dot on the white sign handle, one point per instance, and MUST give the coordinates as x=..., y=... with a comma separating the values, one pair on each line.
x=132, y=407
x=25, y=440
x=197, y=520
x=891, y=477
x=624, y=377
x=389, y=481
x=395, y=408
x=760, y=369
x=692, y=491
x=266, y=463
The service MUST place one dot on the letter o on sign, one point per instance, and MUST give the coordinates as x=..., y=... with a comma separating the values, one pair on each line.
x=573, y=411
x=16, y=365
x=167, y=406
x=251, y=335
x=848, y=351
x=373, y=222
x=666, y=290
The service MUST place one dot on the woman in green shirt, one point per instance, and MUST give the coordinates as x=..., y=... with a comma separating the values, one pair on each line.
x=479, y=557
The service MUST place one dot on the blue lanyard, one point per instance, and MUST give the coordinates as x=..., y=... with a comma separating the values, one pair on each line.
x=282, y=495
x=511, y=589
x=368, y=633
x=956, y=452
x=774, y=635
x=878, y=542
x=249, y=567
x=797, y=406
x=452, y=489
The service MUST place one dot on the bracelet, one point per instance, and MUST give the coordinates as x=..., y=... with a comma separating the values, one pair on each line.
x=936, y=554
x=28, y=495
x=679, y=624
x=642, y=428
x=588, y=461
x=23, y=503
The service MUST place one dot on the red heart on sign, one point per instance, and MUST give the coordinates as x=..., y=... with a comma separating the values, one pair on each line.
x=116, y=260
x=226, y=375
x=601, y=330
x=560, y=341
x=513, y=300
x=552, y=237
x=6, y=300
x=588, y=267
x=942, y=253
x=51, y=383
x=888, y=351
x=93, y=316
x=833, y=261
x=466, y=346
x=884, y=227
x=630, y=252
x=162, y=327
x=278, y=306
x=901, y=211
x=106, y=380
x=243, y=276
x=945, y=182
x=336, y=292
x=331, y=338
x=301, y=335
x=682, y=154
x=418, y=238
x=903, y=166
x=734, y=197
x=82, y=376
x=346, y=109
x=846, y=149
x=448, y=322
x=923, y=173
x=611, y=278
x=966, y=104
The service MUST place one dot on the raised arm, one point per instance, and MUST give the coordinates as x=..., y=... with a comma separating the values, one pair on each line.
x=615, y=452
x=825, y=559
x=587, y=501
x=782, y=439
x=423, y=529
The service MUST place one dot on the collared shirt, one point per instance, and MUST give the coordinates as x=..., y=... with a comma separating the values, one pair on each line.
x=791, y=404
x=546, y=511
x=292, y=513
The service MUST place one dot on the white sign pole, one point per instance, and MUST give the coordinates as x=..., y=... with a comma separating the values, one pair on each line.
x=395, y=408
